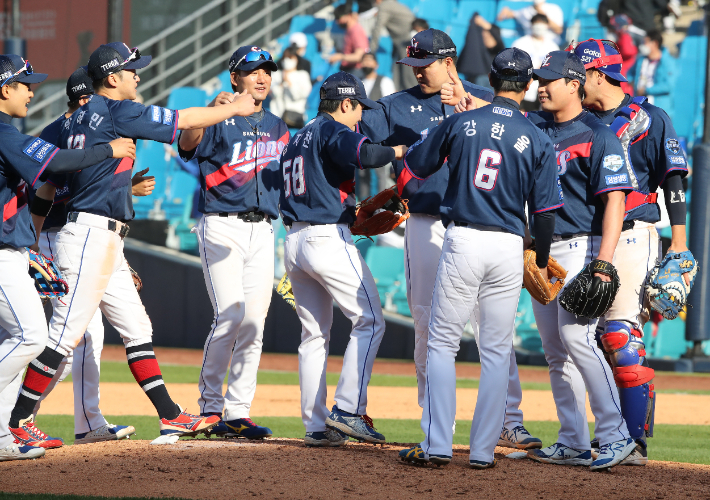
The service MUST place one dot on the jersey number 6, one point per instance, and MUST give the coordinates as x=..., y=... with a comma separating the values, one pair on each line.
x=485, y=176
x=298, y=176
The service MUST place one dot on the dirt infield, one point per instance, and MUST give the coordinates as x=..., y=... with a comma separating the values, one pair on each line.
x=282, y=468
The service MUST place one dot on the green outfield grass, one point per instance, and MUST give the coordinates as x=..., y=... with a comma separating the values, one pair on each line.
x=677, y=443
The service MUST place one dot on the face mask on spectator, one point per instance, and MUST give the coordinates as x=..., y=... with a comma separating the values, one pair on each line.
x=539, y=30
x=367, y=70
x=289, y=63
x=644, y=50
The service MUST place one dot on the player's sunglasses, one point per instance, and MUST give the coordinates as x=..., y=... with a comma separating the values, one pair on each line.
x=134, y=56
x=416, y=53
x=258, y=55
x=27, y=68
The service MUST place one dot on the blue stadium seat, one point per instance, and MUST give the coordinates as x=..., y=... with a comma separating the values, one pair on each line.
x=435, y=10
x=364, y=245
x=387, y=267
x=466, y=9
x=528, y=337
x=150, y=154
x=569, y=9
x=187, y=97
x=384, y=56
x=688, y=110
x=670, y=341
x=307, y=24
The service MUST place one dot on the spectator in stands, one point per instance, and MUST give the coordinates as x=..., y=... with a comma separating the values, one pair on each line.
x=652, y=74
x=376, y=85
x=483, y=42
x=299, y=41
x=290, y=88
x=643, y=13
x=355, y=42
x=538, y=44
x=396, y=18
x=555, y=16
x=419, y=24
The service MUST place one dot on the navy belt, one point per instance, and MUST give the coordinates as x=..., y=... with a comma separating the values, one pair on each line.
x=248, y=216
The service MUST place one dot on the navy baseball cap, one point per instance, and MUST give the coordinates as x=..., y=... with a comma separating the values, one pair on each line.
x=602, y=55
x=114, y=57
x=341, y=86
x=250, y=57
x=13, y=69
x=512, y=59
x=560, y=64
x=79, y=84
x=427, y=46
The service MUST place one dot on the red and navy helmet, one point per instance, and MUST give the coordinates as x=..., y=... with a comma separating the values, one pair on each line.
x=602, y=55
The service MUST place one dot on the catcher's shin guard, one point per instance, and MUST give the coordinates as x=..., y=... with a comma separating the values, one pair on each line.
x=626, y=353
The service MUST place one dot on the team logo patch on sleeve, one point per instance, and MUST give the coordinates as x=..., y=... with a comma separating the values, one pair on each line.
x=613, y=162
x=503, y=111
x=167, y=116
x=677, y=160
x=616, y=179
x=673, y=145
x=38, y=149
x=42, y=152
x=156, y=114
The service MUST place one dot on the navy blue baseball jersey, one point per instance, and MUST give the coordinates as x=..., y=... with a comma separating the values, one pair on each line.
x=497, y=160
x=652, y=152
x=590, y=161
x=405, y=118
x=23, y=159
x=57, y=216
x=318, y=171
x=105, y=189
x=239, y=164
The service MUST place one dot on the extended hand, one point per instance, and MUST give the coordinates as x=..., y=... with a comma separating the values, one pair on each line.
x=399, y=152
x=222, y=98
x=244, y=104
x=452, y=92
x=142, y=185
x=123, y=148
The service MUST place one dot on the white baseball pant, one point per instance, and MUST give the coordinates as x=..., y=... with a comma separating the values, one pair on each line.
x=474, y=268
x=23, y=330
x=91, y=259
x=324, y=265
x=238, y=265
x=423, y=240
x=575, y=361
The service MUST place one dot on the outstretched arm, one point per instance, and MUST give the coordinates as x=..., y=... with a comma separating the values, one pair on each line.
x=199, y=118
x=190, y=139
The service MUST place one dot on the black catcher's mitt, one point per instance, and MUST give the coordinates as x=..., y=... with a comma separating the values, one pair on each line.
x=587, y=295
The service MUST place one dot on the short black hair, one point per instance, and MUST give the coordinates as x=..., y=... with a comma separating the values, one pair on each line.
x=98, y=84
x=73, y=104
x=580, y=89
x=655, y=36
x=332, y=105
x=539, y=17
x=506, y=85
x=369, y=54
x=342, y=10
x=420, y=23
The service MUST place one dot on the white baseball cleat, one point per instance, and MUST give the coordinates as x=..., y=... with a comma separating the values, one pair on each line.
x=519, y=438
x=613, y=453
x=561, y=454
x=16, y=451
x=108, y=432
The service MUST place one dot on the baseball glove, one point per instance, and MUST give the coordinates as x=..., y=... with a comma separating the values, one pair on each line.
x=48, y=279
x=380, y=214
x=587, y=295
x=137, y=281
x=666, y=288
x=541, y=289
x=284, y=289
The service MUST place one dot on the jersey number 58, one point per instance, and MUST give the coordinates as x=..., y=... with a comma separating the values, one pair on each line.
x=298, y=176
x=485, y=176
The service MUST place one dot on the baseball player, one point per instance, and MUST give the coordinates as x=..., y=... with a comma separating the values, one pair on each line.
x=90, y=426
x=25, y=162
x=497, y=162
x=404, y=118
x=318, y=203
x=90, y=246
x=589, y=160
x=240, y=177
x=654, y=159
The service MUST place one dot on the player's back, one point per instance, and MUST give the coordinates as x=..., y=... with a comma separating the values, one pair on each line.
x=318, y=167
x=495, y=159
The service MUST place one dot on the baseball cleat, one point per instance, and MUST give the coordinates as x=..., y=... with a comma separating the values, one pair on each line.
x=613, y=453
x=416, y=456
x=518, y=438
x=637, y=457
x=187, y=425
x=478, y=464
x=27, y=434
x=245, y=428
x=356, y=426
x=218, y=430
x=329, y=437
x=108, y=432
x=561, y=454
x=16, y=451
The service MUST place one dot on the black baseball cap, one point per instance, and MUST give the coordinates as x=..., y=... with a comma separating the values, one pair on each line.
x=79, y=84
x=516, y=61
x=342, y=85
x=560, y=64
x=114, y=57
x=250, y=57
x=428, y=46
x=13, y=69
